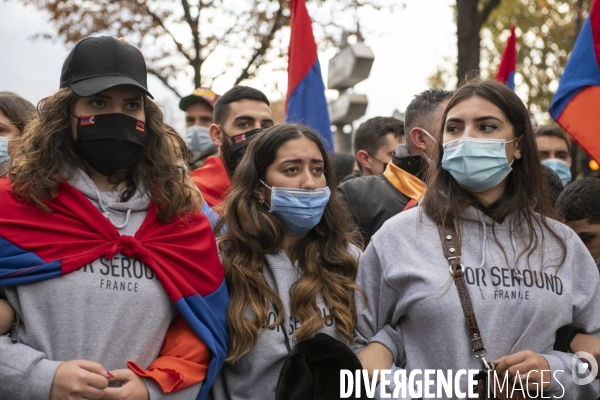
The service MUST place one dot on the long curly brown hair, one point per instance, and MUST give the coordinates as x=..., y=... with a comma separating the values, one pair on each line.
x=47, y=151
x=324, y=256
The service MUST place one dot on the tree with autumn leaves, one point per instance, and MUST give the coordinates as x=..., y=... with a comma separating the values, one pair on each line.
x=547, y=31
x=184, y=35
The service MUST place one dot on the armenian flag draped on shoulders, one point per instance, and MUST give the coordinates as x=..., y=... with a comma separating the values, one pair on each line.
x=36, y=245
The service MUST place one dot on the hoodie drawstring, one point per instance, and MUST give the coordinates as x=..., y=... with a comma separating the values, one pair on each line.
x=106, y=213
x=517, y=272
x=480, y=268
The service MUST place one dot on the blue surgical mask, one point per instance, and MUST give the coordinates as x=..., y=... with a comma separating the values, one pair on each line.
x=477, y=164
x=4, y=157
x=562, y=169
x=299, y=210
x=197, y=138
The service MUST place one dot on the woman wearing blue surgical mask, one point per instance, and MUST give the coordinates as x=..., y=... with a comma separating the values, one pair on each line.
x=15, y=114
x=290, y=259
x=486, y=230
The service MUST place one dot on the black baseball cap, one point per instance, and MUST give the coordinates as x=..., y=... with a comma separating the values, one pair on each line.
x=99, y=63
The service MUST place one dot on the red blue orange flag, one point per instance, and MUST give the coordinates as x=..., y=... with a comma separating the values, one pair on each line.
x=140, y=126
x=306, y=103
x=575, y=103
x=240, y=138
x=212, y=181
x=508, y=64
x=36, y=246
x=88, y=121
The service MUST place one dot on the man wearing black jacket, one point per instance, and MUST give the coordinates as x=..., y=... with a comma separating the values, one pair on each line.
x=375, y=199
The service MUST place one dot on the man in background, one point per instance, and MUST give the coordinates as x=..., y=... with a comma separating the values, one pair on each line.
x=579, y=204
x=374, y=142
x=239, y=115
x=375, y=199
x=198, y=108
x=554, y=148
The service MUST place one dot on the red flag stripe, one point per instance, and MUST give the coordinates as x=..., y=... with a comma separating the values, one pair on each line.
x=302, y=50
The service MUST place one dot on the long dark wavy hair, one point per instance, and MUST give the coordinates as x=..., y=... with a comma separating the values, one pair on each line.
x=446, y=201
x=327, y=264
x=47, y=151
x=18, y=110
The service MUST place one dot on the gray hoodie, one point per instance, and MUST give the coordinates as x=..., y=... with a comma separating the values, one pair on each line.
x=405, y=276
x=255, y=375
x=110, y=312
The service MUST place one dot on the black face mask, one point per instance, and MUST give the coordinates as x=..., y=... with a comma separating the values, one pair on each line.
x=238, y=147
x=414, y=165
x=110, y=142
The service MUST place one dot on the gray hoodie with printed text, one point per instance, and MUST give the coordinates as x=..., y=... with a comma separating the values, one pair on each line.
x=519, y=302
x=109, y=311
x=255, y=375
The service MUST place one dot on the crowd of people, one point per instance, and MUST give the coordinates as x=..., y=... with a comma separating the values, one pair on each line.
x=240, y=260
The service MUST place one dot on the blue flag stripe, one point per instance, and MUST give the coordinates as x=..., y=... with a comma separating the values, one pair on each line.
x=307, y=106
x=581, y=71
x=202, y=314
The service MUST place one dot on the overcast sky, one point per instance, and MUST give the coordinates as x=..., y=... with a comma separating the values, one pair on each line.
x=408, y=45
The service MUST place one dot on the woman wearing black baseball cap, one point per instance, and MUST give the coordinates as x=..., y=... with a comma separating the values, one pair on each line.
x=104, y=253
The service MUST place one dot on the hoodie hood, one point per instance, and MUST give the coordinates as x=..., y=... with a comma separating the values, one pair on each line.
x=109, y=203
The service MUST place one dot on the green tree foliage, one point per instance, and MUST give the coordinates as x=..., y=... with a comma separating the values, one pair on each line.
x=547, y=30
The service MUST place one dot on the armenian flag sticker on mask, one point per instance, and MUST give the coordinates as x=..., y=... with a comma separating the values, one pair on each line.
x=88, y=121
x=240, y=138
x=140, y=126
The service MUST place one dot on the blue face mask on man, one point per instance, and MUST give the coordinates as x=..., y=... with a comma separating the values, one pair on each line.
x=4, y=157
x=299, y=210
x=197, y=138
x=477, y=164
x=562, y=169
